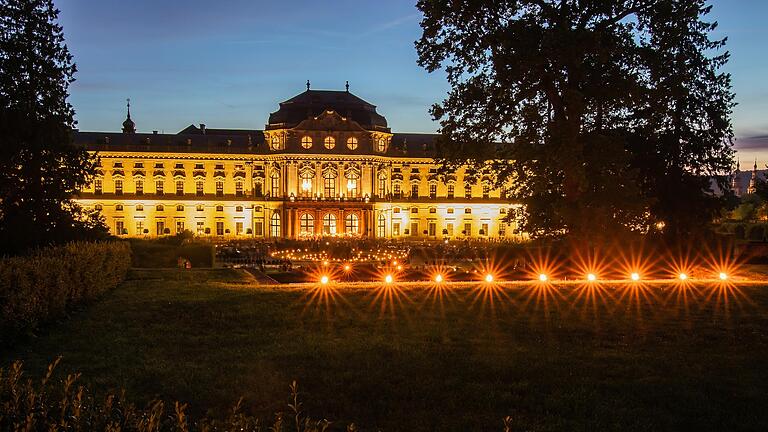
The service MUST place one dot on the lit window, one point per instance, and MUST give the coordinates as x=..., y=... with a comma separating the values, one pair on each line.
x=307, y=225
x=118, y=207
x=98, y=207
x=329, y=224
x=450, y=211
x=238, y=188
x=396, y=190
x=414, y=209
x=118, y=187
x=274, y=225
x=275, y=142
x=381, y=228
x=351, y=224
x=352, y=143
x=468, y=191
x=415, y=190
x=200, y=207
x=450, y=190
x=139, y=187
x=159, y=185
x=381, y=144
x=139, y=207
x=219, y=208
x=433, y=190
x=180, y=207
x=329, y=142
x=199, y=184
x=306, y=142
x=239, y=208
x=432, y=210
x=467, y=210
x=159, y=207
x=219, y=188
x=98, y=184
x=396, y=210
x=180, y=187
x=486, y=191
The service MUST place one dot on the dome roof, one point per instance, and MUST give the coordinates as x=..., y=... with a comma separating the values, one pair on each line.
x=313, y=102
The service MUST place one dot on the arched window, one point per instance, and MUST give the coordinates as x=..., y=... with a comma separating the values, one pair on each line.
x=306, y=142
x=329, y=224
x=351, y=224
x=239, y=208
x=159, y=207
x=98, y=207
x=275, y=186
x=274, y=225
x=307, y=225
x=330, y=142
x=381, y=144
x=381, y=227
x=352, y=143
x=275, y=142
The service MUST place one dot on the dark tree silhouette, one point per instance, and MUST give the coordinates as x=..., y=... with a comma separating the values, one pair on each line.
x=40, y=168
x=602, y=117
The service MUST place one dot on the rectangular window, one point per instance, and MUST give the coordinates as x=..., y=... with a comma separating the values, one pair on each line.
x=219, y=188
x=118, y=187
x=329, y=187
x=450, y=191
x=120, y=227
x=352, y=188
x=139, y=227
x=200, y=227
x=159, y=185
x=139, y=187
x=179, y=187
x=199, y=185
x=414, y=229
x=467, y=229
x=258, y=228
x=396, y=190
x=219, y=228
x=239, y=188
x=486, y=191
x=257, y=190
x=484, y=228
x=432, y=229
x=382, y=187
x=396, y=229
x=238, y=228
x=414, y=190
x=160, y=227
x=179, y=226
x=98, y=184
x=449, y=228
x=275, y=187
x=468, y=191
x=433, y=190
x=381, y=227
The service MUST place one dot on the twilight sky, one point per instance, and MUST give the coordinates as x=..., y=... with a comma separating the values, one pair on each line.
x=229, y=63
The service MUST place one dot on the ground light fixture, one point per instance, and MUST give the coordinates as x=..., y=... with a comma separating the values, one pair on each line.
x=591, y=277
x=682, y=276
x=543, y=277
x=438, y=278
x=324, y=279
x=388, y=278
x=489, y=278
x=723, y=276
x=347, y=267
x=635, y=276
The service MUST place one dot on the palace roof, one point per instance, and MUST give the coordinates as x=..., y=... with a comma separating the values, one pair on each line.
x=312, y=103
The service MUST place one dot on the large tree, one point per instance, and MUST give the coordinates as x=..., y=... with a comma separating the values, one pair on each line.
x=583, y=110
x=40, y=167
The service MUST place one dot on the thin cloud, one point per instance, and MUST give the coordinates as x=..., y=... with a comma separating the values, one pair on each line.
x=752, y=143
x=390, y=24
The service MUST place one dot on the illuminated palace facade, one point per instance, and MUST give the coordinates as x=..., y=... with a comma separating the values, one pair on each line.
x=326, y=164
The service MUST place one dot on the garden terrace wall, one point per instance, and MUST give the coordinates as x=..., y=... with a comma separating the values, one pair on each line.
x=49, y=283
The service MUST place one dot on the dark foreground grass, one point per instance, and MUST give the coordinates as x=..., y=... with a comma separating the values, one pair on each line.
x=418, y=359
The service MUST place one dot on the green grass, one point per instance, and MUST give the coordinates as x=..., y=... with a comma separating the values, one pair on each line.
x=652, y=358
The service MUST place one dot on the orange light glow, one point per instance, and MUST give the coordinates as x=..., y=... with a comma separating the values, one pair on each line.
x=438, y=278
x=543, y=277
x=388, y=279
x=489, y=278
x=591, y=277
x=347, y=268
x=723, y=276
x=635, y=276
x=399, y=268
x=682, y=276
x=324, y=279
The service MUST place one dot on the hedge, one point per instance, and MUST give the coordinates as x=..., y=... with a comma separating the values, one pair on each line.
x=49, y=283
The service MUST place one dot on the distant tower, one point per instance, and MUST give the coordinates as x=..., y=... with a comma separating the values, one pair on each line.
x=129, y=127
x=736, y=180
x=753, y=181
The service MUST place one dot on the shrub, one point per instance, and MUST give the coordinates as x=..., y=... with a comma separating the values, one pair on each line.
x=48, y=404
x=165, y=252
x=756, y=233
x=49, y=283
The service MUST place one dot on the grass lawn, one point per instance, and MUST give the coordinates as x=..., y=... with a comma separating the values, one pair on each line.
x=418, y=359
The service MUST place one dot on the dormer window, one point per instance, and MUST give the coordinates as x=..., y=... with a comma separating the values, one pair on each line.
x=275, y=142
x=381, y=144
x=219, y=166
x=352, y=143
x=118, y=165
x=138, y=165
x=306, y=142
x=330, y=142
x=159, y=165
x=198, y=166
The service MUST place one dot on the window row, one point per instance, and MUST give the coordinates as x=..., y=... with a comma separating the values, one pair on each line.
x=98, y=187
x=180, y=207
x=329, y=225
x=329, y=143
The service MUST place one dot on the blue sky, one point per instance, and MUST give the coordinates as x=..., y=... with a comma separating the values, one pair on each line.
x=228, y=63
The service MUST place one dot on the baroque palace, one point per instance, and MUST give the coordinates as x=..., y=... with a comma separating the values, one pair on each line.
x=326, y=164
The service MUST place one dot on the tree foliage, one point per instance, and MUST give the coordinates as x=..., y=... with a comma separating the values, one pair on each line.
x=40, y=167
x=602, y=117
